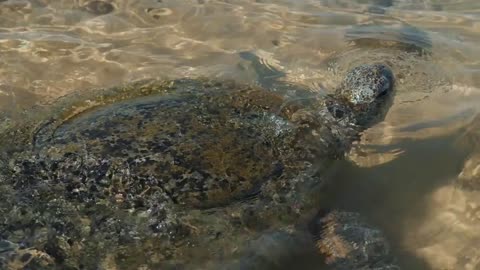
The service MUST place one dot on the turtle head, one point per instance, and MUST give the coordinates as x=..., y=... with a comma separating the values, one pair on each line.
x=364, y=94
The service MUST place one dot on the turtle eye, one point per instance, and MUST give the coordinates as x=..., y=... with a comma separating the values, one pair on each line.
x=337, y=112
x=336, y=109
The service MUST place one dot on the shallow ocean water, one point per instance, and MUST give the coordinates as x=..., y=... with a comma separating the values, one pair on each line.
x=400, y=175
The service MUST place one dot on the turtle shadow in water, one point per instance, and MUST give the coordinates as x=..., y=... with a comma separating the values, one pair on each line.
x=393, y=196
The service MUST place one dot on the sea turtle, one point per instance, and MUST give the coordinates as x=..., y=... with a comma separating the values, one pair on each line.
x=172, y=173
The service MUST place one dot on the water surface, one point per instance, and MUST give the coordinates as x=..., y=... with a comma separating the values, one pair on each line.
x=399, y=176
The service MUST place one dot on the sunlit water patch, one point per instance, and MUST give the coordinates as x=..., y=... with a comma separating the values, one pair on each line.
x=412, y=175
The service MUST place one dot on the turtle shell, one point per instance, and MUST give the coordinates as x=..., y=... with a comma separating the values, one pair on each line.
x=203, y=144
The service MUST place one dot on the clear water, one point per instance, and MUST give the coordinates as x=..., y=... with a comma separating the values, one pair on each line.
x=400, y=176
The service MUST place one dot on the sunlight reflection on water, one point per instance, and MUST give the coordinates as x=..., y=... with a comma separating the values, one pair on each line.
x=50, y=48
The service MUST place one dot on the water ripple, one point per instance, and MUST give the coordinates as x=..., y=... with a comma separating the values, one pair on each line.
x=49, y=48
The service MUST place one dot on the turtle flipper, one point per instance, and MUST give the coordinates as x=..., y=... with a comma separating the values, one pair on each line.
x=341, y=240
x=347, y=241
